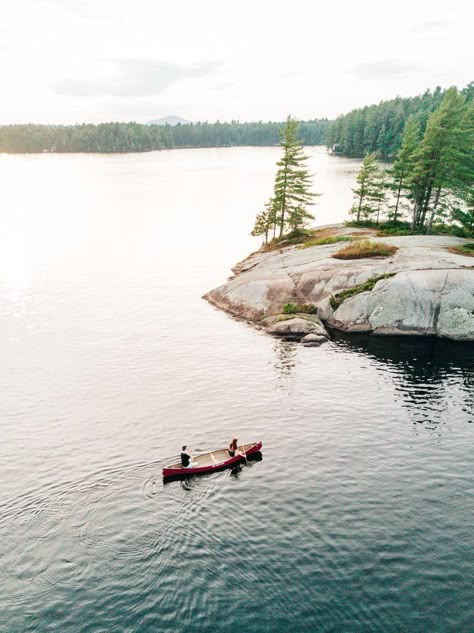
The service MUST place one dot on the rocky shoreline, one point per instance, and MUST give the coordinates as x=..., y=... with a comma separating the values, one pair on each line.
x=423, y=289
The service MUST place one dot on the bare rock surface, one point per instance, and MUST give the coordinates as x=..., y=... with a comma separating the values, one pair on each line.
x=313, y=340
x=298, y=327
x=430, y=293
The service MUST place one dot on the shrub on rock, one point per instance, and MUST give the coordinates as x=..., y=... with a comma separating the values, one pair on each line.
x=365, y=248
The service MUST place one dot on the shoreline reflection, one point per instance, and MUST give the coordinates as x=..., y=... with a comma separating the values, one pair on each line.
x=432, y=377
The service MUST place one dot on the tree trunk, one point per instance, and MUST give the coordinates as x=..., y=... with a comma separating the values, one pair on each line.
x=426, y=204
x=397, y=202
x=433, y=211
x=360, y=207
x=283, y=204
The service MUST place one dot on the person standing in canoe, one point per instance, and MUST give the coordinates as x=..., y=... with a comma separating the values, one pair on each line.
x=232, y=450
x=186, y=457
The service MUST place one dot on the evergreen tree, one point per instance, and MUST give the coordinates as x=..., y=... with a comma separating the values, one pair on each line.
x=379, y=193
x=379, y=128
x=272, y=215
x=461, y=182
x=367, y=191
x=298, y=218
x=465, y=216
x=437, y=165
x=403, y=164
x=261, y=226
x=264, y=221
x=292, y=192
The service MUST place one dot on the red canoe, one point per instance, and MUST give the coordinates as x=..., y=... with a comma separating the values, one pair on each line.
x=210, y=462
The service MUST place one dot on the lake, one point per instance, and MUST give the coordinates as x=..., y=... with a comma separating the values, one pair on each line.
x=358, y=518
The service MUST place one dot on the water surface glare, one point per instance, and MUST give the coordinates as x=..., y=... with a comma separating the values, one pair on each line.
x=358, y=518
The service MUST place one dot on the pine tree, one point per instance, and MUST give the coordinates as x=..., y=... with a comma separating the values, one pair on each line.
x=367, y=192
x=264, y=221
x=465, y=217
x=272, y=215
x=292, y=193
x=261, y=226
x=461, y=176
x=379, y=193
x=437, y=165
x=403, y=164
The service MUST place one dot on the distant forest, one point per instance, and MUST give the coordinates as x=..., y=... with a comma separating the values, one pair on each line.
x=135, y=137
x=378, y=129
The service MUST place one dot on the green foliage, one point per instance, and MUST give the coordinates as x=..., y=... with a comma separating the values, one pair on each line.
x=403, y=165
x=291, y=191
x=464, y=249
x=332, y=239
x=465, y=217
x=300, y=308
x=292, y=188
x=369, y=191
x=261, y=225
x=379, y=128
x=135, y=137
x=307, y=308
x=264, y=221
x=365, y=248
x=439, y=163
x=395, y=230
x=297, y=234
x=362, y=224
x=432, y=177
x=288, y=239
x=368, y=285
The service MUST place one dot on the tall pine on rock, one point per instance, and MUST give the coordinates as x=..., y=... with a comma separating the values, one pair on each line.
x=292, y=190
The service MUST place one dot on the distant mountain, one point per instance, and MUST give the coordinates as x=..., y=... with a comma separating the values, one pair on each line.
x=168, y=120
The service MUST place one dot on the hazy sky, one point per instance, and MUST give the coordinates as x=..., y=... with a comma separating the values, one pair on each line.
x=68, y=61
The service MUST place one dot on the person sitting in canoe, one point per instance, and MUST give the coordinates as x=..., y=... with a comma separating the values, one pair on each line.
x=232, y=450
x=186, y=457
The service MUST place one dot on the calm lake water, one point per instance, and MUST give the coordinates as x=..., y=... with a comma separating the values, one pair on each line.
x=359, y=517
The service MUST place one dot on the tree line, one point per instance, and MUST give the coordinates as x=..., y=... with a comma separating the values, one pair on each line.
x=136, y=137
x=379, y=128
x=431, y=180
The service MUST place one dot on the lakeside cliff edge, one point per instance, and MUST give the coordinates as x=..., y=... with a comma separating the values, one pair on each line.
x=424, y=288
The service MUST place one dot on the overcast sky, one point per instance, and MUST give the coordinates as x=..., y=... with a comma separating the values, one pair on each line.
x=69, y=61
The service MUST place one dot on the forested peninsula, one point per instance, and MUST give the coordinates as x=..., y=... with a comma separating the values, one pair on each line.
x=378, y=129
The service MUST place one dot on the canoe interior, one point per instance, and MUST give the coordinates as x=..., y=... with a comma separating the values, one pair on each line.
x=213, y=457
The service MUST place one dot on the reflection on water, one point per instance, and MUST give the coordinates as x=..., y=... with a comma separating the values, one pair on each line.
x=432, y=378
x=286, y=357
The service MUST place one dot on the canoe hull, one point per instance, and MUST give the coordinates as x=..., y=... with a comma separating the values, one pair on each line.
x=170, y=472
